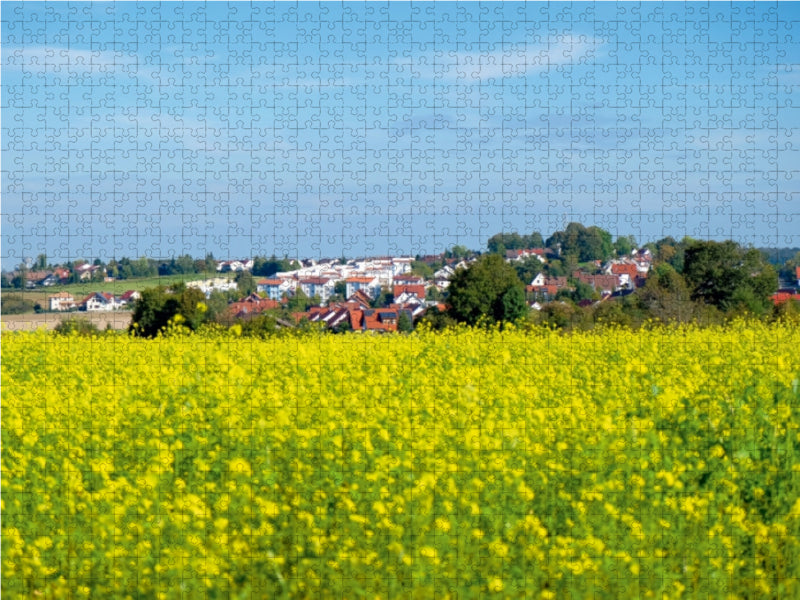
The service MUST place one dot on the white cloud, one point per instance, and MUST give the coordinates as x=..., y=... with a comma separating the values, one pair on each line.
x=518, y=60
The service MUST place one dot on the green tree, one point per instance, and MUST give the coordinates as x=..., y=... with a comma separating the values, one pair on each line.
x=15, y=304
x=245, y=282
x=41, y=263
x=80, y=325
x=385, y=298
x=665, y=296
x=585, y=244
x=404, y=322
x=513, y=304
x=158, y=305
x=528, y=268
x=729, y=277
x=624, y=245
x=299, y=302
x=437, y=319
x=19, y=280
x=457, y=251
x=421, y=269
x=266, y=267
x=480, y=291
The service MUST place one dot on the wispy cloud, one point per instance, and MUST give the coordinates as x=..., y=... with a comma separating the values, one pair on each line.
x=521, y=60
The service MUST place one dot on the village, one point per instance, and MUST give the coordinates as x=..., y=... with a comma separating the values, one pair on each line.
x=346, y=292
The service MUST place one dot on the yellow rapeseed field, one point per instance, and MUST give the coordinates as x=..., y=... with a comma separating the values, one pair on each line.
x=663, y=463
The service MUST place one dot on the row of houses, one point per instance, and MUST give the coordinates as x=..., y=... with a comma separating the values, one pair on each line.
x=96, y=301
x=324, y=287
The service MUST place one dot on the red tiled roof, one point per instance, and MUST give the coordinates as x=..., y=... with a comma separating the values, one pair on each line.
x=624, y=269
x=359, y=279
x=416, y=289
x=781, y=297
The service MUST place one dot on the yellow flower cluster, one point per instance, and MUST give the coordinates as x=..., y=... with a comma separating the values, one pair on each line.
x=657, y=464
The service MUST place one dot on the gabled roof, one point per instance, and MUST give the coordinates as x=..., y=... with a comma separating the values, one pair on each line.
x=361, y=297
x=624, y=269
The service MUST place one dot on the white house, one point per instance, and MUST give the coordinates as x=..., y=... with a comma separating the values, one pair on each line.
x=128, y=297
x=100, y=301
x=61, y=301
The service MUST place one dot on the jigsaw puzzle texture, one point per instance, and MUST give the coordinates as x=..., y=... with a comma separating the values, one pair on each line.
x=463, y=464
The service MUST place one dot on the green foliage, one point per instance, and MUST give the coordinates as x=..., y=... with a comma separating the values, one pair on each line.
x=480, y=291
x=559, y=315
x=437, y=320
x=457, y=251
x=18, y=281
x=384, y=299
x=500, y=242
x=299, y=302
x=263, y=326
x=624, y=245
x=404, y=322
x=15, y=304
x=183, y=265
x=528, y=268
x=788, y=311
x=666, y=297
x=421, y=269
x=158, y=306
x=512, y=304
x=729, y=277
x=266, y=267
x=584, y=243
x=245, y=282
x=77, y=325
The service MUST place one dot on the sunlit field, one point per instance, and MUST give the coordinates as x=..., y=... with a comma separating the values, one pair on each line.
x=662, y=463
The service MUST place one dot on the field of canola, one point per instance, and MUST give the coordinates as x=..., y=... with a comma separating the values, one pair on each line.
x=609, y=464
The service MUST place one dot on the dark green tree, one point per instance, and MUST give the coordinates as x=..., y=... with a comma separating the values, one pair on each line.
x=480, y=290
x=528, y=268
x=512, y=304
x=385, y=298
x=666, y=296
x=584, y=243
x=299, y=302
x=245, y=282
x=624, y=245
x=457, y=251
x=156, y=306
x=725, y=275
x=266, y=267
x=404, y=322
x=437, y=319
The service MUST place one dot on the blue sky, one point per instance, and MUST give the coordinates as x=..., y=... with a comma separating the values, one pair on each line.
x=329, y=129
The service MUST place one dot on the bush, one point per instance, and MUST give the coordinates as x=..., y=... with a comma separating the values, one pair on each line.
x=14, y=304
x=77, y=325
